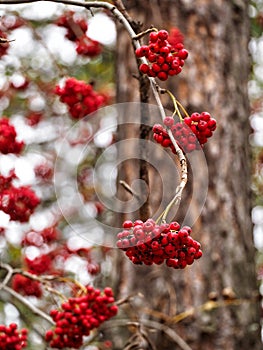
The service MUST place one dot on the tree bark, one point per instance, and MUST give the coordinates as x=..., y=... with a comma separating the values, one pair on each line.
x=214, y=79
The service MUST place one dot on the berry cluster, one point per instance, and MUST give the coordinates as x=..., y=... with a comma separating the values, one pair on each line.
x=26, y=286
x=18, y=202
x=76, y=29
x=80, y=97
x=163, y=59
x=11, y=338
x=175, y=37
x=190, y=135
x=8, y=143
x=44, y=171
x=148, y=243
x=40, y=265
x=20, y=85
x=33, y=118
x=79, y=316
x=5, y=181
x=11, y=22
x=38, y=238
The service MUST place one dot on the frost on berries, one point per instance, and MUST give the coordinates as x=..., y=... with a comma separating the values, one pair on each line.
x=164, y=59
x=80, y=97
x=18, y=202
x=79, y=315
x=8, y=142
x=191, y=134
x=148, y=243
x=76, y=29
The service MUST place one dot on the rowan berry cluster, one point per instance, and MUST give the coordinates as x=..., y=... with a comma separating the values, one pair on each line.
x=18, y=202
x=148, y=243
x=8, y=143
x=38, y=238
x=164, y=60
x=175, y=36
x=191, y=134
x=11, y=22
x=5, y=181
x=44, y=171
x=11, y=338
x=33, y=118
x=76, y=29
x=80, y=97
x=26, y=286
x=42, y=264
x=79, y=316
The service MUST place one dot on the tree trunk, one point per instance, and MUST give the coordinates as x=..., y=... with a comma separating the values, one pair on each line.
x=214, y=79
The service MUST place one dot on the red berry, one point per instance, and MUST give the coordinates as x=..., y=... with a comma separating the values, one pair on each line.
x=127, y=224
x=163, y=34
x=156, y=68
x=153, y=37
x=162, y=76
x=183, y=54
x=168, y=121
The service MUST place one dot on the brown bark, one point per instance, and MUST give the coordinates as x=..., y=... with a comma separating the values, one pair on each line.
x=215, y=79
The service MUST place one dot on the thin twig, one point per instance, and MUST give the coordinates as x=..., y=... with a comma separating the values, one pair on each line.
x=129, y=189
x=142, y=34
x=171, y=333
x=122, y=18
x=128, y=298
x=27, y=303
x=8, y=276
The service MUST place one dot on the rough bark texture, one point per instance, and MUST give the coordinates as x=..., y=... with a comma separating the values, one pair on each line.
x=214, y=79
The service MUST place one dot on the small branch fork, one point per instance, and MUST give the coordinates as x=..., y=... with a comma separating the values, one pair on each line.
x=27, y=303
x=122, y=16
x=169, y=332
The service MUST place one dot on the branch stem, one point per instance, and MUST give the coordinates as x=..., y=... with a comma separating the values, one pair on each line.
x=121, y=16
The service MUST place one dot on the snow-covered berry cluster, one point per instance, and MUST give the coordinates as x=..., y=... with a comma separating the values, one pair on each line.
x=76, y=31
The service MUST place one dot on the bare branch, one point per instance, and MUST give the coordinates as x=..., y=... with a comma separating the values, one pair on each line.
x=28, y=304
x=8, y=276
x=170, y=333
x=122, y=16
x=129, y=189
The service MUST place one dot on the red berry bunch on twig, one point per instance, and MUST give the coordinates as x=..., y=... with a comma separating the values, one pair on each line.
x=76, y=32
x=26, y=286
x=79, y=316
x=18, y=202
x=40, y=265
x=39, y=238
x=80, y=97
x=11, y=338
x=191, y=134
x=164, y=60
x=8, y=143
x=148, y=243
